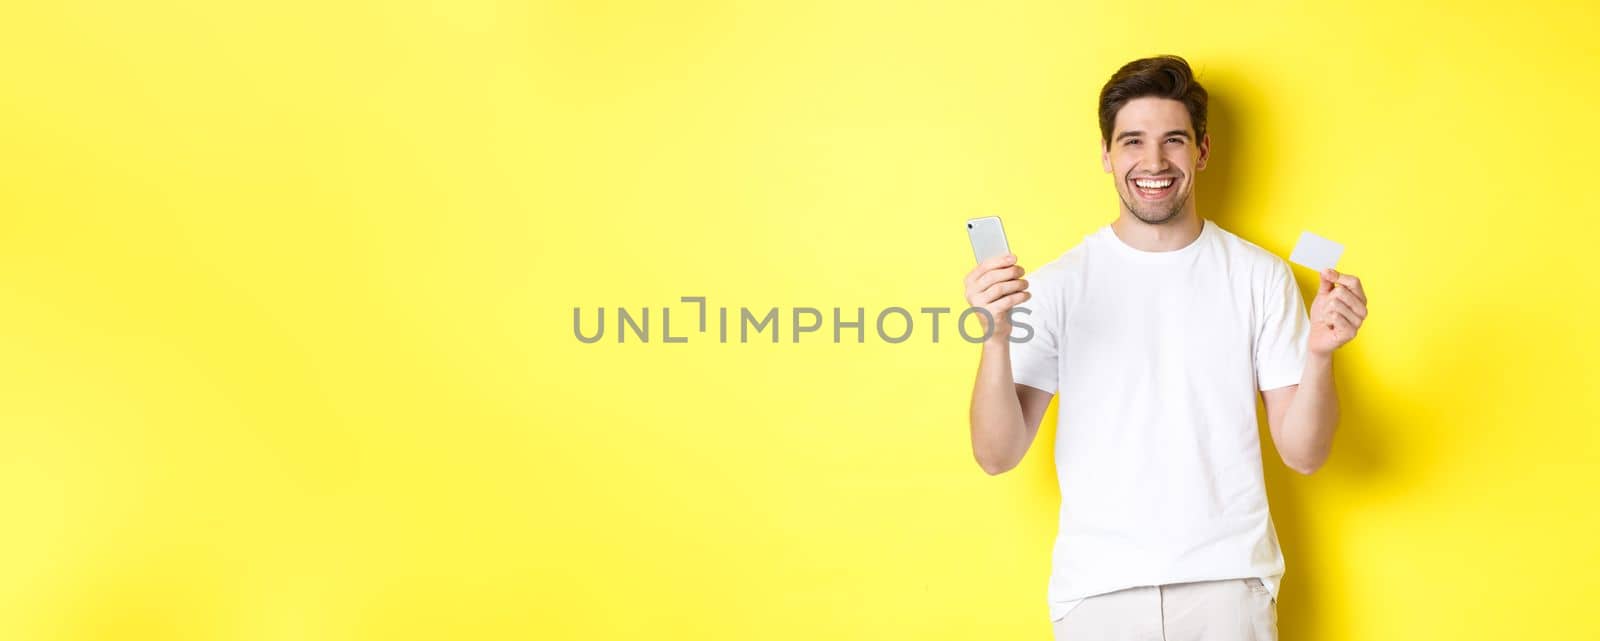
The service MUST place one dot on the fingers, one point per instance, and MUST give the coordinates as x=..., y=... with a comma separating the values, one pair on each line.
x=998, y=261
x=1341, y=305
x=1004, y=304
x=1331, y=277
x=1349, y=299
x=994, y=279
x=999, y=275
x=1333, y=310
x=1000, y=309
x=1343, y=309
x=1343, y=328
x=1354, y=285
x=990, y=264
x=1005, y=287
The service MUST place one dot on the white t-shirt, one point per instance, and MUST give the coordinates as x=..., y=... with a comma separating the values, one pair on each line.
x=1157, y=357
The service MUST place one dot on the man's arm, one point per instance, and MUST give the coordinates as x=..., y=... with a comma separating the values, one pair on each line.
x=1005, y=415
x=1303, y=417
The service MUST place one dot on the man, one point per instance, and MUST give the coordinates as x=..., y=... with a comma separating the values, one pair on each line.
x=1157, y=330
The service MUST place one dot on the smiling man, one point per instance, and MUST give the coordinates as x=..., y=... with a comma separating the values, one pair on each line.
x=1157, y=330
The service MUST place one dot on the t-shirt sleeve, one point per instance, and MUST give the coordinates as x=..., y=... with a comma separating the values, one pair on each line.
x=1034, y=361
x=1283, y=331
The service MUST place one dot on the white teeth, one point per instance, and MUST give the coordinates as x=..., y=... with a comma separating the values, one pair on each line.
x=1154, y=184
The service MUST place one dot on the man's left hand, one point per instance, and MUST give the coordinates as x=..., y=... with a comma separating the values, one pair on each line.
x=1337, y=312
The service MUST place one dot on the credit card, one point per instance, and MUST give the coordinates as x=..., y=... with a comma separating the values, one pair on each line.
x=1315, y=252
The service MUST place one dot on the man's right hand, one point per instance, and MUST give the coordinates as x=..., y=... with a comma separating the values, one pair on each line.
x=996, y=285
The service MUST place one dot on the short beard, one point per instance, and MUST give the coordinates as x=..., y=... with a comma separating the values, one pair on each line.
x=1169, y=217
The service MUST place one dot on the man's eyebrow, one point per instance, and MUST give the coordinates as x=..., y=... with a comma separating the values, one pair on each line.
x=1136, y=133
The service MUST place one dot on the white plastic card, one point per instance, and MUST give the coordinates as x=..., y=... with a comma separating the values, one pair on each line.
x=1315, y=252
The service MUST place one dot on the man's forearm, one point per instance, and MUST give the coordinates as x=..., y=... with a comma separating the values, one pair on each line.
x=999, y=436
x=1312, y=417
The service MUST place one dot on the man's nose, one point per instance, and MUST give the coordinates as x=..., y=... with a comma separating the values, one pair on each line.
x=1153, y=161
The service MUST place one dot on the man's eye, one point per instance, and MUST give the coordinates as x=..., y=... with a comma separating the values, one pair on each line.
x=1132, y=141
x=1174, y=139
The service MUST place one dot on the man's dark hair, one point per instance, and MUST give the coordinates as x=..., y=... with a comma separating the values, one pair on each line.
x=1162, y=77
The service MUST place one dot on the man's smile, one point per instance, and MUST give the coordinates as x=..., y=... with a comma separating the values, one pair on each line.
x=1154, y=187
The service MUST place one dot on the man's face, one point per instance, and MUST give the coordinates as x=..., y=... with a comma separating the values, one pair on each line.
x=1154, y=157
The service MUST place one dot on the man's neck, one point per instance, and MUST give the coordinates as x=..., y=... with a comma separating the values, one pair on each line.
x=1171, y=235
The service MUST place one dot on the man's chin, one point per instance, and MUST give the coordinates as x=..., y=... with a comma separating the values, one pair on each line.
x=1156, y=217
x=1159, y=213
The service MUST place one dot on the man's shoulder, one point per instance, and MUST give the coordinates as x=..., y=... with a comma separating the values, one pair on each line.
x=1258, y=258
x=1071, y=260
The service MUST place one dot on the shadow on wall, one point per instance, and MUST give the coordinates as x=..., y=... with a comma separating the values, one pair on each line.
x=1359, y=453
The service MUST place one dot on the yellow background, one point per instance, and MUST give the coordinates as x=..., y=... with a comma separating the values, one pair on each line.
x=286, y=296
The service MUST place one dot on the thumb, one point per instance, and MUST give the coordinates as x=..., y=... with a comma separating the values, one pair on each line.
x=1329, y=277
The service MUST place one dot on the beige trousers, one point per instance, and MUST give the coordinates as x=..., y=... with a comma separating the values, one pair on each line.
x=1226, y=610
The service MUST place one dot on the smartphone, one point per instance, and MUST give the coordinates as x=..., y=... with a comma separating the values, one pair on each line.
x=988, y=238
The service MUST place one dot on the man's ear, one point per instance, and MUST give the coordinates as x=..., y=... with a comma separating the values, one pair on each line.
x=1205, y=152
x=1105, y=155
